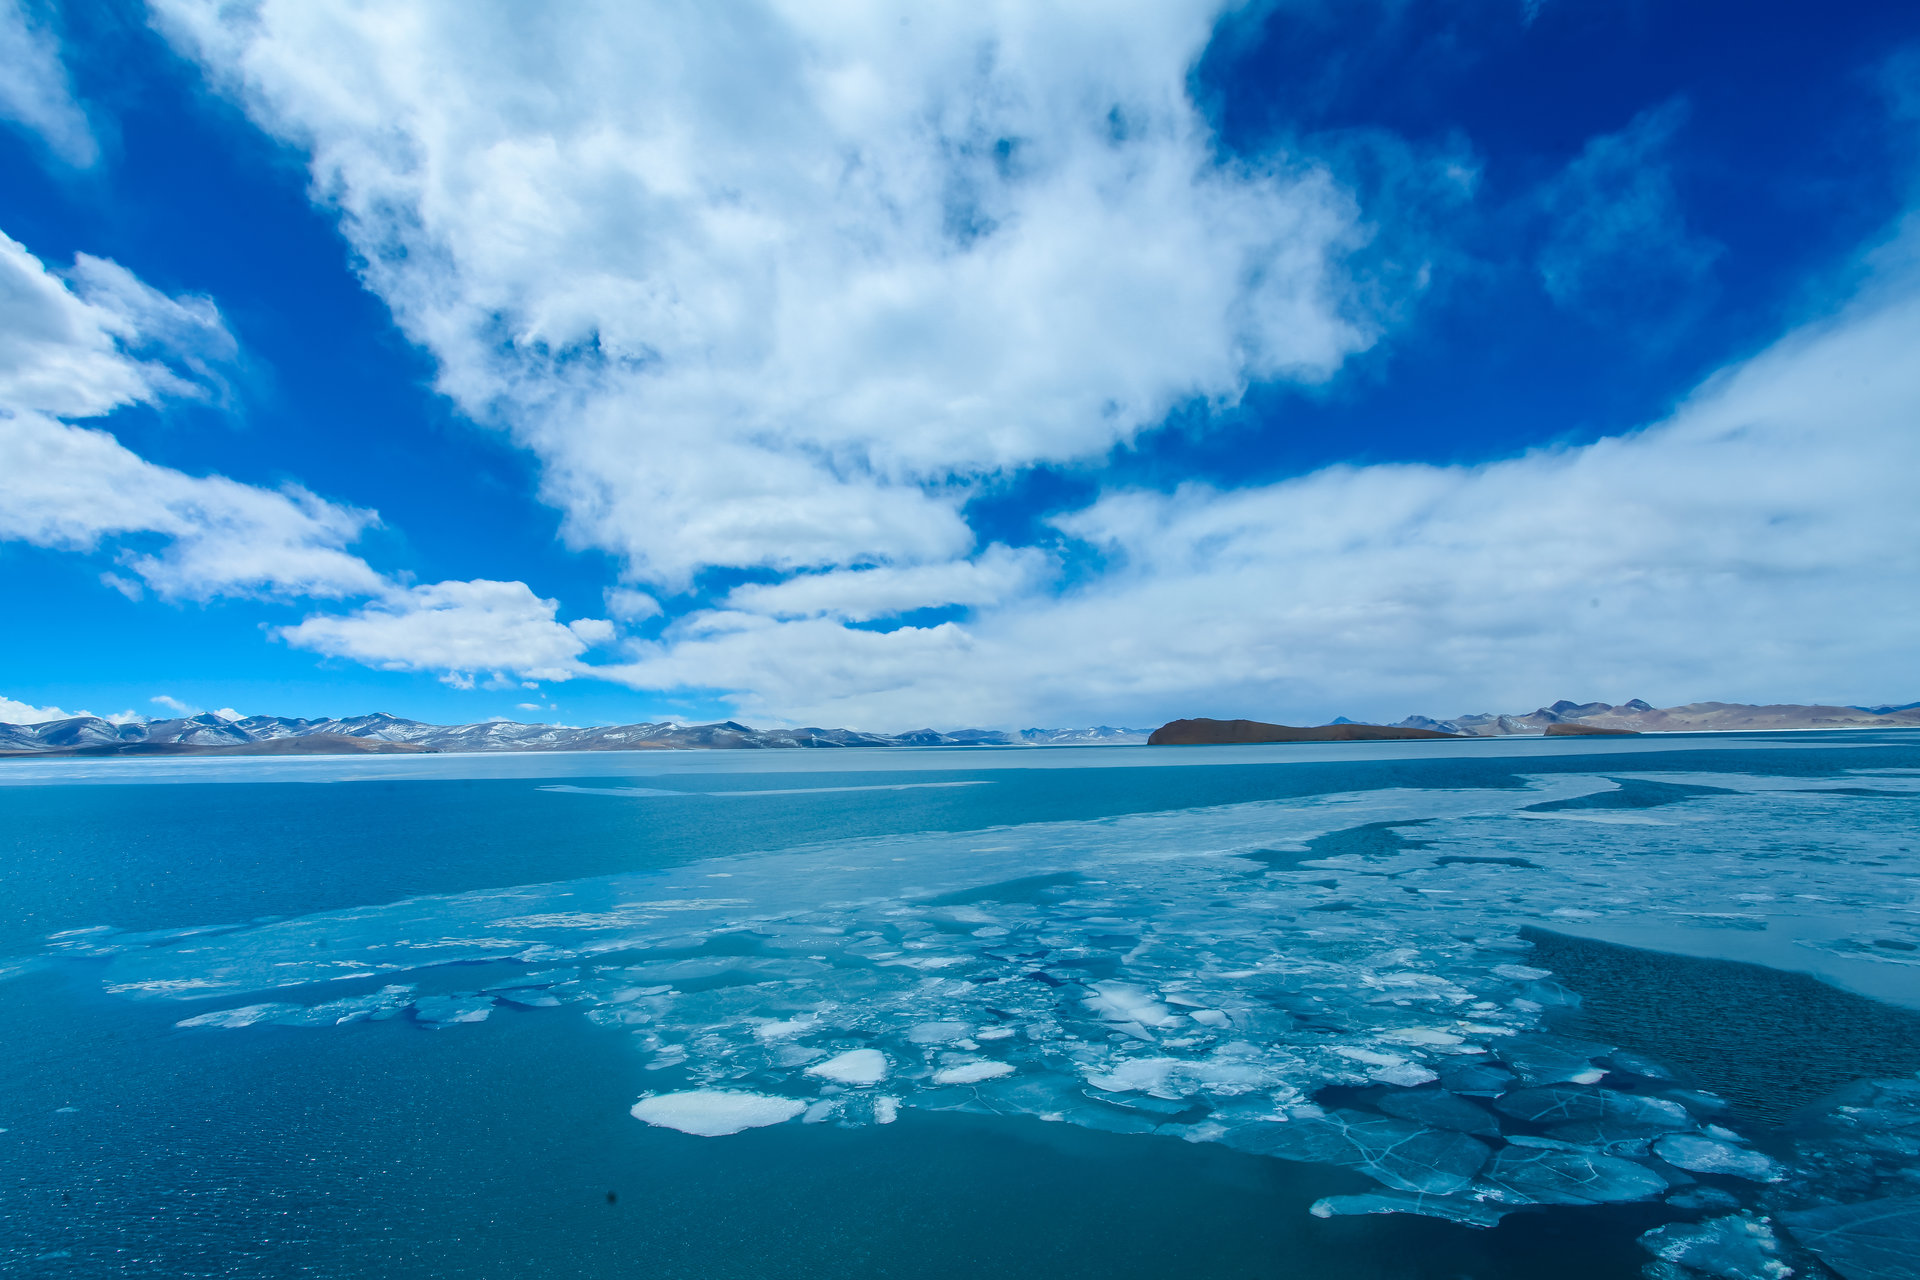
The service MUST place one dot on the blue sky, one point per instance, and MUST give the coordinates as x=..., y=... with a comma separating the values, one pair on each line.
x=886, y=366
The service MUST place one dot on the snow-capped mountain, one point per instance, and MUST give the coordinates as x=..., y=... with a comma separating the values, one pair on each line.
x=1695, y=717
x=274, y=735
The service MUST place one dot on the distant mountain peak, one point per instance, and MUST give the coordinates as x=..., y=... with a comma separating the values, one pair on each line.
x=383, y=731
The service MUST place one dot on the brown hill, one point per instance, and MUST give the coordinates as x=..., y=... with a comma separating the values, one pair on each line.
x=1204, y=732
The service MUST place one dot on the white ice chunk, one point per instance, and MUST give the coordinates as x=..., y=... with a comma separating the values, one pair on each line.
x=972, y=1072
x=1405, y=1075
x=1703, y=1155
x=1135, y=1074
x=714, y=1113
x=1736, y=1247
x=1422, y=1035
x=855, y=1066
x=1124, y=1002
x=1371, y=1057
x=885, y=1109
x=786, y=1029
x=1471, y=1213
x=938, y=1032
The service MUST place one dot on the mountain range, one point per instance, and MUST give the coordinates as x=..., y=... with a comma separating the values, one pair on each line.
x=1696, y=717
x=385, y=734
x=382, y=733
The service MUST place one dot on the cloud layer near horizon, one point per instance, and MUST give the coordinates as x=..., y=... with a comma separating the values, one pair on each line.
x=1761, y=544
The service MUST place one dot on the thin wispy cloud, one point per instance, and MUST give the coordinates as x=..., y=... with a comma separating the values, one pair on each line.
x=36, y=94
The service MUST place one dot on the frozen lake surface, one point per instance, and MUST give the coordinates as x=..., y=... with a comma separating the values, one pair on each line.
x=1394, y=1009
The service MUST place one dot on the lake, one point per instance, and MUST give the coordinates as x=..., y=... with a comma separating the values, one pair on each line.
x=1494, y=1008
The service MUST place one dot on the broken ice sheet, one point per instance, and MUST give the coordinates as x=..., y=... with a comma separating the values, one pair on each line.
x=445, y=1011
x=1532, y=1175
x=1468, y=1212
x=1699, y=1154
x=1872, y=1240
x=1137, y=975
x=1440, y=1110
x=1556, y=1105
x=1397, y=1153
x=378, y=1006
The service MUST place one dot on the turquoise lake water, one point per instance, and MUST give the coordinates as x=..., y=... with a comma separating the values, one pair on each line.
x=1490, y=1009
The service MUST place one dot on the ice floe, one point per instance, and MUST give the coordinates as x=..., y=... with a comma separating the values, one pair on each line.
x=855, y=1066
x=1867, y=1240
x=1699, y=1154
x=715, y=1113
x=972, y=1072
x=1736, y=1247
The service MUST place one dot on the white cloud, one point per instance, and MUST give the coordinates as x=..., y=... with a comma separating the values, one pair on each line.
x=12, y=712
x=101, y=339
x=73, y=488
x=35, y=93
x=460, y=628
x=773, y=289
x=86, y=347
x=1761, y=543
x=861, y=595
x=167, y=702
x=629, y=605
x=73, y=348
x=592, y=631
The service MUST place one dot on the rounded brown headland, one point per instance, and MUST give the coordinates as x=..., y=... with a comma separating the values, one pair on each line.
x=1201, y=732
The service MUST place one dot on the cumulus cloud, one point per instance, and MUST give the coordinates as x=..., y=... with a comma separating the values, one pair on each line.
x=15, y=712
x=1763, y=539
x=457, y=628
x=167, y=702
x=773, y=289
x=12, y=712
x=629, y=605
x=35, y=93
